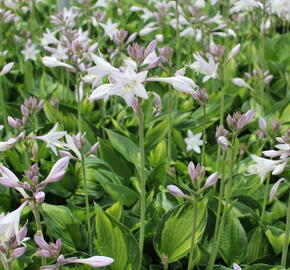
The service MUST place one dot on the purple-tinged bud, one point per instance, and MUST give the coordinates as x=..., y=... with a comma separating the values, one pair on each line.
x=230, y=121
x=14, y=123
x=260, y=134
x=34, y=150
x=275, y=188
x=6, y=69
x=43, y=253
x=192, y=172
x=24, y=120
x=166, y=52
x=221, y=131
x=94, y=149
x=257, y=72
x=234, y=52
x=248, y=75
x=240, y=82
x=57, y=172
x=41, y=242
x=236, y=267
x=58, y=244
x=53, y=102
x=245, y=119
x=131, y=38
x=200, y=171
x=60, y=259
x=268, y=79
x=40, y=105
x=201, y=96
x=157, y=104
x=24, y=111
x=211, y=180
x=175, y=191
x=155, y=63
x=18, y=252
x=262, y=124
x=276, y=126
x=39, y=197
x=26, y=185
x=150, y=48
x=135, y=105
x=223, y=142
x=279, y=168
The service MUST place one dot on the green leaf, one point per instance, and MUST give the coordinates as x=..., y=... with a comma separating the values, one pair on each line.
x=258, y=246
x=115, y=210
x=116, y=190
x=173, y=233
x=61, y=224
x=116, y=241
x=276, y=238
x=125, y=146
x=233, y=244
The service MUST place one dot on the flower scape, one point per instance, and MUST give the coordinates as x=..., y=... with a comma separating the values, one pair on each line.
x=144, y=134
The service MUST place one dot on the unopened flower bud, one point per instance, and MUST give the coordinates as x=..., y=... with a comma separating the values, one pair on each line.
x=262, y=124
x=268, y=79
x=192, y=172
x=276, y=126
x=157, y=104
x=223, y=142
x=24, y=111
x=175, y=191
x=14, y=123
x=275, y=188
x=18, y=252
x=39, y=197
x=211, y=180
x=94, y=149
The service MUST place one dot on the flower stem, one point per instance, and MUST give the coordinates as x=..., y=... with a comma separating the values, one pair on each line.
x=287, y=235
x=177, y=34
x=227, y=198
x=203, y=135
x=193, y=244
x=36, y=214
x=87, y=204
x=142, y=180
x=169, y=142
x=218, y=216
x=265, y=200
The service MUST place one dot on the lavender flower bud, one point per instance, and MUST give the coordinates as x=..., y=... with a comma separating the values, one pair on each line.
x=223, y=142
x=262, y=124
x=18, y=252
x=94, y=149
x=39, y=197
x=175, y=191
x=268, y=79
x=211, y=180
x=192, y=172
x=24, y=111
x=157, y=104
x=150, y=48
x=274, y=189
x=14, y=123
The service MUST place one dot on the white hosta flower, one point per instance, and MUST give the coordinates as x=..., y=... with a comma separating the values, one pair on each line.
x=50, y=61
x=209, y=69
x=263, y=166
x=49, y=38
x=110, y=28
x=60, y=52
x=234, y=52
x=9, y=225
x=236, y=267
x=193, y=141
x=72, y=146
x=30, y=51
x=10, y=143
x=52, y=138
x=245, y=5
x=180, y=83
x=6, y=173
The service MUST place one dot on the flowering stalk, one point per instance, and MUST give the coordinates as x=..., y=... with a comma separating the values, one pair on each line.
x=177, y=34
x=2, y=103
x=142, y=180
x=203, y=135
x=287, y=235
x=87, y=204
x=227, y=198
x=169, y=142
x=218, y=215
x=265, y=200
x=194, y=221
